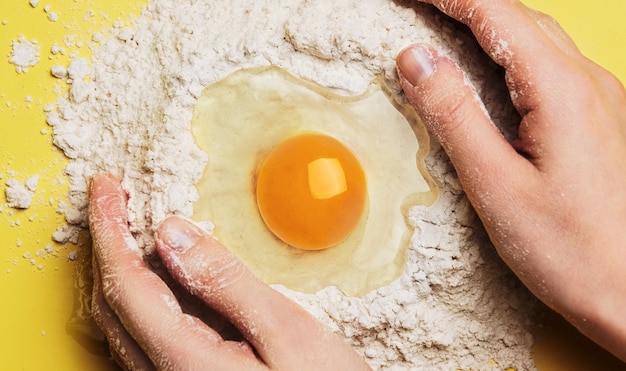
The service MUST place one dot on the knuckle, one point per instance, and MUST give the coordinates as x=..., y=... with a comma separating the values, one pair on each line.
x=463, y=10
x=594, y=85
x=207, y=268
x=458, y=111
x=613, y=85
x=224, y=272
x=543, y=20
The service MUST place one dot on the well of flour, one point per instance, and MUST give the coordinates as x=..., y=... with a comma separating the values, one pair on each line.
x=456, y=306
x=239, y=120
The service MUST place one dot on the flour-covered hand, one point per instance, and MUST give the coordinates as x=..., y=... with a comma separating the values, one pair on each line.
x=554, y=200
x=146, y=327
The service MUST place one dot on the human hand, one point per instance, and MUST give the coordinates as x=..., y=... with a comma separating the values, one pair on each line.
x=554, y=201
x=146, y=327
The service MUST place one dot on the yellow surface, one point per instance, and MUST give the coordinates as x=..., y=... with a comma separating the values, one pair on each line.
x=37, y=303
x=37, y=296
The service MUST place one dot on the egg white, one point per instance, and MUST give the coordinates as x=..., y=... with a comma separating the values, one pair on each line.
x=238, y=120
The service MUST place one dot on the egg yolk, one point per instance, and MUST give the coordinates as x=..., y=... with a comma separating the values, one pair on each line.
x=311, y=191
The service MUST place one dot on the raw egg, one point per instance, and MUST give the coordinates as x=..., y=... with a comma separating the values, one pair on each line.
x=311, y=191
x=307, y=187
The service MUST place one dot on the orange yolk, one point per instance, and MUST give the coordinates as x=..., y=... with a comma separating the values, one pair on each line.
x=311, y=191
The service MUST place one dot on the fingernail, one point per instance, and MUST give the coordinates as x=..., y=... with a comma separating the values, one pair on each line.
x=178, y=233
x=416, y=64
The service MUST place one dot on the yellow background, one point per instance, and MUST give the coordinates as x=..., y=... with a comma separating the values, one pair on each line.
x=38, y=296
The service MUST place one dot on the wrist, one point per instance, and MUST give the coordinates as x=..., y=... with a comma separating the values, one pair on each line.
x=600, y=313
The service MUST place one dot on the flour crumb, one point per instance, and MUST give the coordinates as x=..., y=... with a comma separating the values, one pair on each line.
x=69, y=40
x=56, y=49
x=73, y=255
x=18, y=195
x=34, y=3
x=67, y=233
x=78, y=69
x=46, y=251
x=32, y=182
x=25, y=54
x=58, y=71
x=53, y=17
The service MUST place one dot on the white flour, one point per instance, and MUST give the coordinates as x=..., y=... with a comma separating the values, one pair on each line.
x=18, y=195
x=24, y=54
x=456, y=306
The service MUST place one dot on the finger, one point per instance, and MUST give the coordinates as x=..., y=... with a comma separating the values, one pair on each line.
x=124, y=349
x=486, y=163
x=142, y=301
x=283, y=333
x=553, y=30
x=497, y=25
x=509, y=32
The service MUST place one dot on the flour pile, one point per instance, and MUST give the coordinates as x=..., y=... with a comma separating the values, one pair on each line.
x=24, y=54
x=129, y=111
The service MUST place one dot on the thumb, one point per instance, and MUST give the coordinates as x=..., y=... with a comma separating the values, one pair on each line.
x=211, y=272
x=453, y=112
x=270, y=321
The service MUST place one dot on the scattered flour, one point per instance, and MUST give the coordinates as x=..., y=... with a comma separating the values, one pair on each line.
x=18, y=195
x=31, y=183
x=25, y=54
x=56, y=49
x=58, y=71
x=53, y=17
x=67, y=233
x=128, y=112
